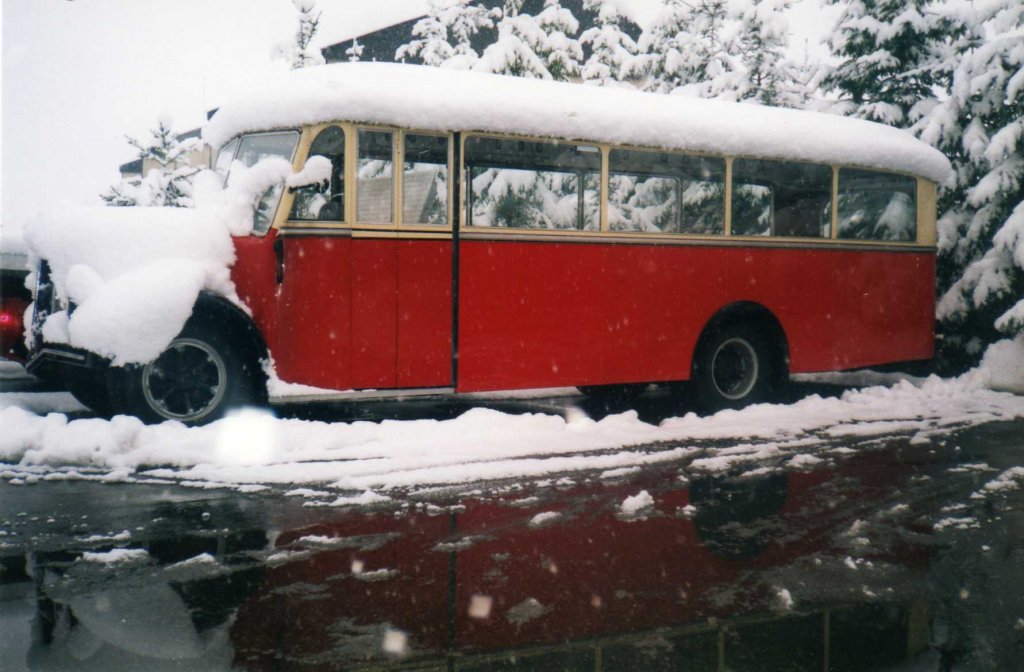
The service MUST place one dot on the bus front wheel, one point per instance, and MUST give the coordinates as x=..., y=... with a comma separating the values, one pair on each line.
x=732, y=368
x=198, y=378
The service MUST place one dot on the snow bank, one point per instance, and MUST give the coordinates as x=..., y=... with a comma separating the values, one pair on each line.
x=445, y=99
x=1002, y=367
x=346, y=459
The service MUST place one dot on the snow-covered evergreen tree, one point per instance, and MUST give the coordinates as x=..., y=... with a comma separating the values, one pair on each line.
x=168, y=183
x=444, y=36
x=612, y=51
x=539, y=47
x=980, y=126
x=303, y=54
x=561, y=51
x=888, y=52
x=429, y=45
x=761, y=41
x=355, y=52
x=684, y=48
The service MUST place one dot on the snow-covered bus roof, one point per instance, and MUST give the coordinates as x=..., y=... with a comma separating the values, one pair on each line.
x=428, y=98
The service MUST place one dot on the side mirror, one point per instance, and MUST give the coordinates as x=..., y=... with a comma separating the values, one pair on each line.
x=316, y=174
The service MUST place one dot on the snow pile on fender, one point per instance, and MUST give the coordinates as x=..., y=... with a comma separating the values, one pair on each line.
x=134, y=273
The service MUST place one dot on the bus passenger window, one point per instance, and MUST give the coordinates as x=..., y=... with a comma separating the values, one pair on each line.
x=530, y=184
x=425, y=180
x=876, y=206
x=657, y=192
x=314, y=202
x=781, y=198
x=373, y=178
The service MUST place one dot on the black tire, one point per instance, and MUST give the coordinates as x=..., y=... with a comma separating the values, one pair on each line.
x=197, y=379
x=733, y=367
x=89, y=388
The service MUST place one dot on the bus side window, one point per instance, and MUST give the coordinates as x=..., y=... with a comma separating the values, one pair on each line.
x=313, y=202
x=876, y=206
x=781, y=198
x=657, y=192
x=530, y=184
x=425, y=180
x=374, y=178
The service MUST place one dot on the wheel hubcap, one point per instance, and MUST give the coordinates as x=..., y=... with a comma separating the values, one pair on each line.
x=734, y=368
x=186, y=382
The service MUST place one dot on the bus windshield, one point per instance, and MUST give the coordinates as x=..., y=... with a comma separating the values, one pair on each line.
x=250, y=150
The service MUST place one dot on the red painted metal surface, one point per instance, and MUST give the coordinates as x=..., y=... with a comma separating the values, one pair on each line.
x=315, y=311
x=377, y=313
x=352, y=313
x=547, y=314
x=374, y=326
x=424, y=313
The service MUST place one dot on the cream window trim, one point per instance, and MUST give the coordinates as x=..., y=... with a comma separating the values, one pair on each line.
x=397, y=177
x=605, y=226
x=927, y=206
x=728, y=197
x=351, y=161
x=835, y=204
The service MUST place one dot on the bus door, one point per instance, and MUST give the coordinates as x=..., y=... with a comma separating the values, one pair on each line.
x=425, y=249
x=401, y=279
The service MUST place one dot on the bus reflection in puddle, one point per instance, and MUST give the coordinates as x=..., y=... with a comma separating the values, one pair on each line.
x=721, y=573
x=574, y=584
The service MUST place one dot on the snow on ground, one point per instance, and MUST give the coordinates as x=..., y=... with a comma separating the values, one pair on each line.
x=353, y=463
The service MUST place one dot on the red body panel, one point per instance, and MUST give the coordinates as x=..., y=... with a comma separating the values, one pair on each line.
x=255, y=278
x=424, y=313
x=377, y=313
x=632, y=313
x=374, y=325
x=315, y=309
x=352, y=313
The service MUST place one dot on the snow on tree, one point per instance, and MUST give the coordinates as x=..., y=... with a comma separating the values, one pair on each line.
x=538, y=47
x=168, y=183
x=300, y=53
x=561, y=53
x=980, y=125
x=355, y=52
x=761, y=43
x=888, y=66
x=443, y=37
x=612, y=51
x=685, y=49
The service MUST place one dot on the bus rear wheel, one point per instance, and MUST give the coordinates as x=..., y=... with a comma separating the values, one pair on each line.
x=732, y=368
x=197, y=379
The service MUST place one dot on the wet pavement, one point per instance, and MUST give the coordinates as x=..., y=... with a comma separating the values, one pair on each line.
x=896, y=555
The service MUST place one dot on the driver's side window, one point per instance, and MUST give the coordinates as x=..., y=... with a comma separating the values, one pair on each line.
x=324, y=201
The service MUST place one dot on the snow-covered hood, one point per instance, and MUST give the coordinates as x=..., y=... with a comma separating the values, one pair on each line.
x=133, y=274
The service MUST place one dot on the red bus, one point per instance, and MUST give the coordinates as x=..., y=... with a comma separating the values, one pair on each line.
x=471, y=232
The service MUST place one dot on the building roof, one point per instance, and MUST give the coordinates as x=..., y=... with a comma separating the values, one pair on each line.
x=439, y=99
